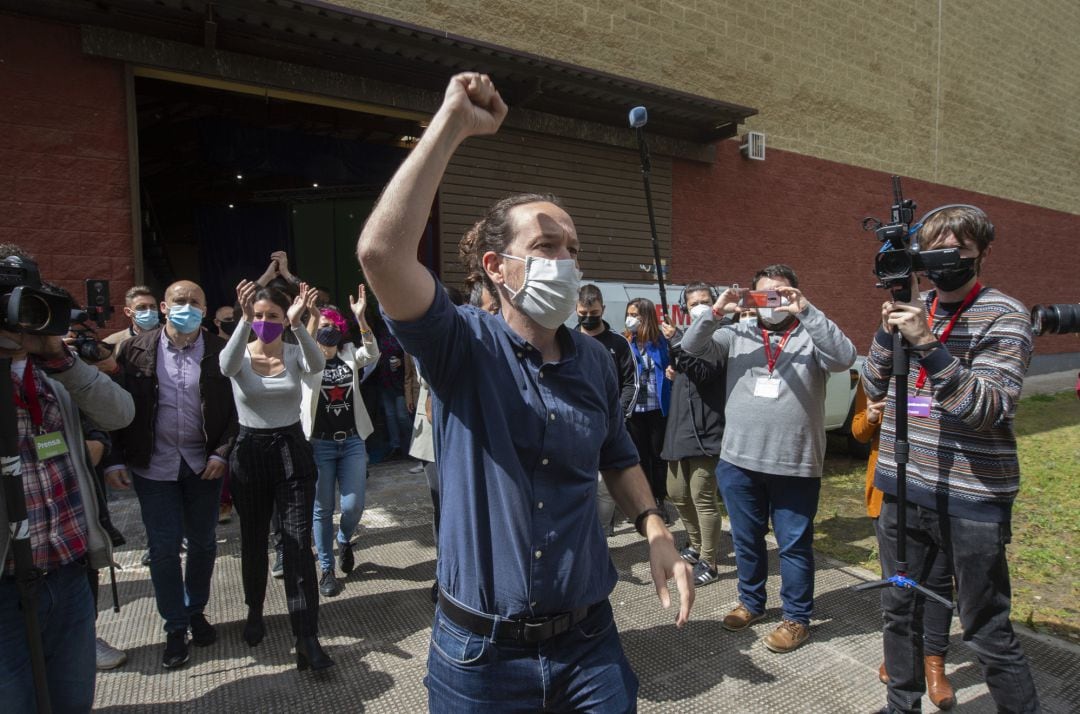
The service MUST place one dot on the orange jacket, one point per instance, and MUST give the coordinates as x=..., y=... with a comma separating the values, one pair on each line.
x=866, y=432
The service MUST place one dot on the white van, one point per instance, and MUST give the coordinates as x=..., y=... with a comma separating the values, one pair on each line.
x=839, y=391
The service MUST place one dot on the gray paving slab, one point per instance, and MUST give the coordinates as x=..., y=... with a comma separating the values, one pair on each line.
x=378, y=629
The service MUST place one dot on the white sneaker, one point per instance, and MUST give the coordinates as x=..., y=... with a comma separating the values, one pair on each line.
x=419, y=468
x=108, y=657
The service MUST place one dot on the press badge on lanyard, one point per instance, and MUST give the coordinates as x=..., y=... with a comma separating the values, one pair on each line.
x=47, y=445
x=769, y=387
x=920, y=406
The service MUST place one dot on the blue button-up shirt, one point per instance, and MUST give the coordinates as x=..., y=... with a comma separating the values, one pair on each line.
x=518, y=443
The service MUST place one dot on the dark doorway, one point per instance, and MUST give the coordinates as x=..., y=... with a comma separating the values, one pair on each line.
x=226, y=178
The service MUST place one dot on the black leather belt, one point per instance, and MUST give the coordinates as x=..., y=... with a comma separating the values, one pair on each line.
x=530, y=630
x=334, y=435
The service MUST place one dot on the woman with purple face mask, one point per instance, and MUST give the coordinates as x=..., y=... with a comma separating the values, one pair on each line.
x=272, y=463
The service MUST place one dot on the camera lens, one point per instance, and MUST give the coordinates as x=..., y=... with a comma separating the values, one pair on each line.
x=890, y=264
x=34, y=312
x=1055, y=319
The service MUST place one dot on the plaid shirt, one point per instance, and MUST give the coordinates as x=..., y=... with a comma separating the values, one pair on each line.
x=58, y=533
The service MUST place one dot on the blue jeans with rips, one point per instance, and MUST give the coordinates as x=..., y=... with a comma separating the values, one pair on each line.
x=583, y=669
x=342, y=468
x=66, y=614
x=171, y=511
x=753, y=499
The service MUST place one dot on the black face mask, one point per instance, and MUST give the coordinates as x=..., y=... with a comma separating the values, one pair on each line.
x=328, y=336
x=948, y=280
x=228, y=326
x=590, y=322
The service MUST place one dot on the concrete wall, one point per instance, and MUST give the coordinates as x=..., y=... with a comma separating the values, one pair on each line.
x=978, y=94
x=64, y=188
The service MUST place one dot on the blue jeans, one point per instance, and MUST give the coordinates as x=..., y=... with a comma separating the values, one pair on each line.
x=341, y=464
x=583, y=669
x=753, y=498
x=66, y=618
x=983, y=599
x=172, y=510
x=398, y=419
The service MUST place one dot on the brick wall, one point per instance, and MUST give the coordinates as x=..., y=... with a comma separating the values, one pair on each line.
x=734, y=217
x=991, y=108
x=64, y=189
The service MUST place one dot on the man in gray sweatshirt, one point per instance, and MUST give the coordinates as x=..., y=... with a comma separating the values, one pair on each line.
x=774, y=440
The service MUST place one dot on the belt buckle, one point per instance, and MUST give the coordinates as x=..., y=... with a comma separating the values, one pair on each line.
x=343, y=436
x=534, y=631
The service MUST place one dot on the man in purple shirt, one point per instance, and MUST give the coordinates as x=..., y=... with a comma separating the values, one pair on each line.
x=177, y=450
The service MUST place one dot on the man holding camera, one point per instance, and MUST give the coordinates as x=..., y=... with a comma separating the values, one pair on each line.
x=177, y=449
x=773, y=448
x=969, y=348
x=51, y=387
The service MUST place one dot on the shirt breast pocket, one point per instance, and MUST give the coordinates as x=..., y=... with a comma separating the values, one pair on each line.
x=588, y=429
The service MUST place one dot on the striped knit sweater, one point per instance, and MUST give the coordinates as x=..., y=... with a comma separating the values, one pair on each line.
x=963, y=456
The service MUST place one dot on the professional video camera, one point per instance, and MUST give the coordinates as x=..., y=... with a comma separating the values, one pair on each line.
x=1055, y=319
x=29, y=305
x=900, y=255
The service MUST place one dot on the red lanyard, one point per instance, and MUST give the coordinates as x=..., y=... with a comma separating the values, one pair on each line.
x=968, y=299
x=31, y=404
x=771, y=358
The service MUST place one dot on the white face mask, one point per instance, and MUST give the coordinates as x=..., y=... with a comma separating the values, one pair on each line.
x=773, y=317
x=549, y=292
x=632, y=323
x=698, y=310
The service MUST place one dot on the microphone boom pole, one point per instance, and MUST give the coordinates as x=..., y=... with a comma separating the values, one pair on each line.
x=639, y=117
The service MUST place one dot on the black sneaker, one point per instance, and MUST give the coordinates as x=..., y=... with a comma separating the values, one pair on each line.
x=690, y=555
x=203, y=633
x=146, y=557
x=278, y=568
x=328, y=584
x=703, y=574
x=176, y=650
x=345, y=558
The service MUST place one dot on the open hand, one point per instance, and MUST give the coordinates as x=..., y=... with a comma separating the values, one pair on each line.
x=359, y=304
x=245, y=295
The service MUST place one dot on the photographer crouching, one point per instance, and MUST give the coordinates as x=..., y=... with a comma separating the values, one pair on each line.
x=51, y=387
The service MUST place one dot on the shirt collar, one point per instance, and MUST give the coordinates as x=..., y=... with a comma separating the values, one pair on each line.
x=168, y=344
x=566, y=342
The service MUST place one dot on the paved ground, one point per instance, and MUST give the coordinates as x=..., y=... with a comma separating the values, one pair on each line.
x=377, y=630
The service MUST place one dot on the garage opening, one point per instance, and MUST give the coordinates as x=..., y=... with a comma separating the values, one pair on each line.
x=229, y=175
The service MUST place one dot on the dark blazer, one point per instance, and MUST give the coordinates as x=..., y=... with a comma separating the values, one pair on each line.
x=137, y=359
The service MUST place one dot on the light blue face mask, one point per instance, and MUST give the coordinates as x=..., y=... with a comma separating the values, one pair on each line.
x=185, y=318
x=147, y=319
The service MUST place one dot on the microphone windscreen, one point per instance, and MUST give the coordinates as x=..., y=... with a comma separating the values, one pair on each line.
x=639, y=117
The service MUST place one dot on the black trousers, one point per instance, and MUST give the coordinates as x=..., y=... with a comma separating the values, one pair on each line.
x=275, y=468
x=647, y=432
x=983, y=595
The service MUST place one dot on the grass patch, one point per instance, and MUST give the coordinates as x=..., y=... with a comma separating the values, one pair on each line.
x=1044, y=556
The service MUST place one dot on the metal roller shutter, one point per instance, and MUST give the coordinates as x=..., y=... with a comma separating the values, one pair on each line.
x=599, y=185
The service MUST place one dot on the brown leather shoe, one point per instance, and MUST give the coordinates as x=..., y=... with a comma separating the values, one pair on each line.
x=787, y=636
x=740, y=618
x=882, y=674
x=937, y=684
